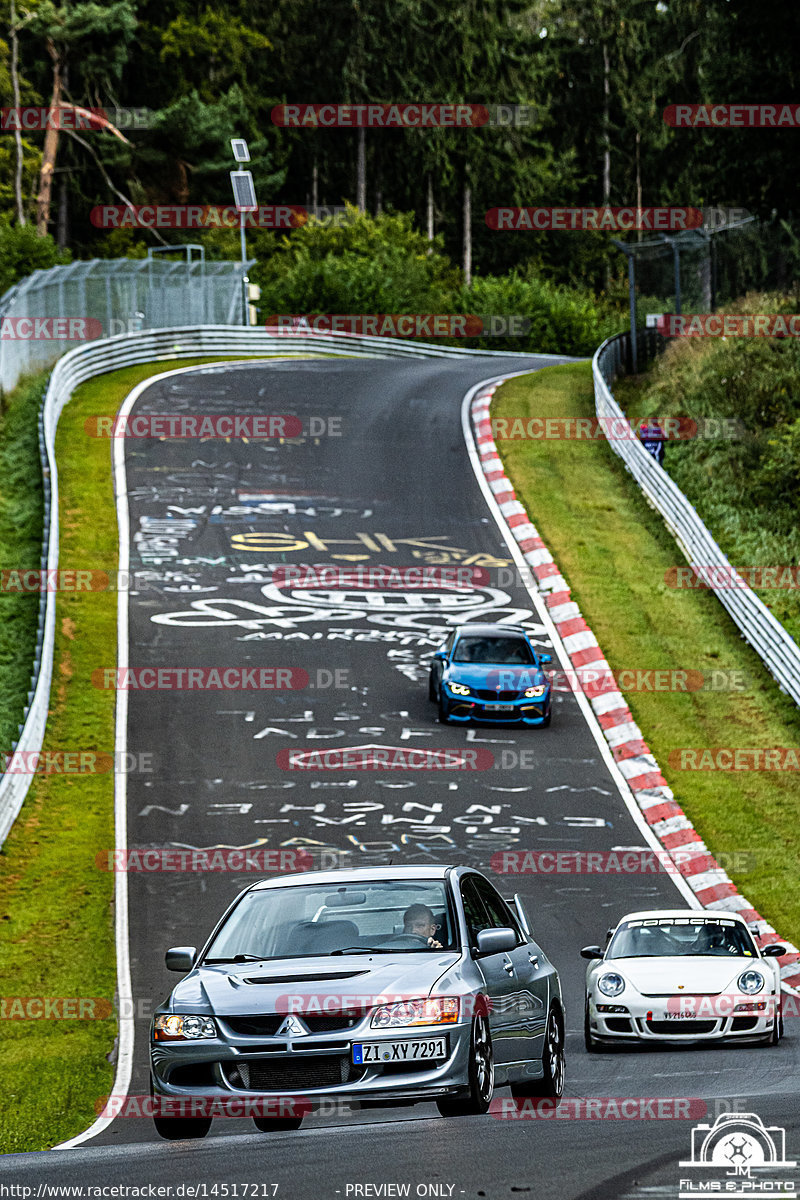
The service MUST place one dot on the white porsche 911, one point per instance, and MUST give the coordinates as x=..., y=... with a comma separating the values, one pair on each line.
x=682, y=975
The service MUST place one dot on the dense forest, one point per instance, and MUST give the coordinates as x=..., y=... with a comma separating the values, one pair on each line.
x=595, y=77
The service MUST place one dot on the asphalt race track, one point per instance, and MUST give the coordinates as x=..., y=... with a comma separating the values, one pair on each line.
x=386, y=480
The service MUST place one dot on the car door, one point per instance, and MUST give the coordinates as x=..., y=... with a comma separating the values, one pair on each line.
x=530, y=977
x=498, y=973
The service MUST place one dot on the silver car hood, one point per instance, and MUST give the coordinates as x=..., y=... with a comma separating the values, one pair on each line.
x=250, y=988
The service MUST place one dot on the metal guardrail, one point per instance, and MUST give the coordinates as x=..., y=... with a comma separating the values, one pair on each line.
x=777, y=650
x=109, y=354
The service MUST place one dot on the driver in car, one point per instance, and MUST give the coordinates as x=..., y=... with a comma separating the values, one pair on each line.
x=418, y=920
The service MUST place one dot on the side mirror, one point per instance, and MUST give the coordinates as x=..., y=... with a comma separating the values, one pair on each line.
x=545, y=658
x=774, y=951
x=180, y=958
x=496, y=941
x=592, y=952
x=441, y=654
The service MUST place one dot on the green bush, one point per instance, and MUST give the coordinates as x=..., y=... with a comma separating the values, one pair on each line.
x=23, y=251
x=382, y=265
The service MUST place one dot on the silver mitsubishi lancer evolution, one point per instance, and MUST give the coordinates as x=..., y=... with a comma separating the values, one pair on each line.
x=392, y=985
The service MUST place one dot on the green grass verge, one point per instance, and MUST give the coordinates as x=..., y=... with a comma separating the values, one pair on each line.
x=21, y=515
x=614, y=552
x=56, y=927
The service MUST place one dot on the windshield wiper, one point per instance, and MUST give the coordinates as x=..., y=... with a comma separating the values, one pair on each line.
x=361, y=950
x=237, y=958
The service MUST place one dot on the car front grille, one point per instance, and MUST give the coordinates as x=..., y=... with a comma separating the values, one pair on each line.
x=498, y=697
x=670, y=1028
x=290, y=1074
x=269, y=1024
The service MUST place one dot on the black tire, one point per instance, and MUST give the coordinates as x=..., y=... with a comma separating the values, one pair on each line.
x=777, y=1030
x=553, y=1066
x=481, y=1076
x=444, y=708
x=178, y=1129
x=432, y=696
x=277, y=1124
x=589, y=1040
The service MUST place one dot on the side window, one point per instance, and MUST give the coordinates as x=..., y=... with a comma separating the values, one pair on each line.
x=477, y=917
x=500, y=914
x=448, y=646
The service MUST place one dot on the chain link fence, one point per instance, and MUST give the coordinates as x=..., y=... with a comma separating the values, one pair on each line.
x=718, y=268
x=50, y=312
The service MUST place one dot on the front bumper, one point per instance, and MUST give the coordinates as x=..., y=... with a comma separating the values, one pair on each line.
x=316, y=1067
x=646, y=1018
x=474, y=708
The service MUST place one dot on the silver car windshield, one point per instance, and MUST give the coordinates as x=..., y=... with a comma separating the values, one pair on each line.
x=694, y=935
x=391, y=917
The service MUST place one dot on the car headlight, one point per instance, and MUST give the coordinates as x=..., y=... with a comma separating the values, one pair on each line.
x=174, y=1027
x=436, y=1010
x=611, y=984
x=751, y=982
x=535, y=691
x=460, y=689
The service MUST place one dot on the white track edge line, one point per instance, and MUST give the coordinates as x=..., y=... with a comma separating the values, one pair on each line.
x=122, y=1077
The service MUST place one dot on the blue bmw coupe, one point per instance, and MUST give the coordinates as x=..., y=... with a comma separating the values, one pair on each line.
x=490, y=673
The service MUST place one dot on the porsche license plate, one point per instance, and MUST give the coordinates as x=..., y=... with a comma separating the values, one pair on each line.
x=399, y=1052
x=499, y=707
x=680, y=1016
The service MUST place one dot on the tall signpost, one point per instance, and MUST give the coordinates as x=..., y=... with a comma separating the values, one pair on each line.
x=244, y=198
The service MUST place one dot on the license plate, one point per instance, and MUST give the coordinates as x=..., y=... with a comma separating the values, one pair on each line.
x=405, y=1051
x=679, y=1016
x=499, y=707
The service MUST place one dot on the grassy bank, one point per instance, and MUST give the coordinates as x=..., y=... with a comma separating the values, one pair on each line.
x=614, y=552
x=21, y=515
x=56, y=922
x=746, y=488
